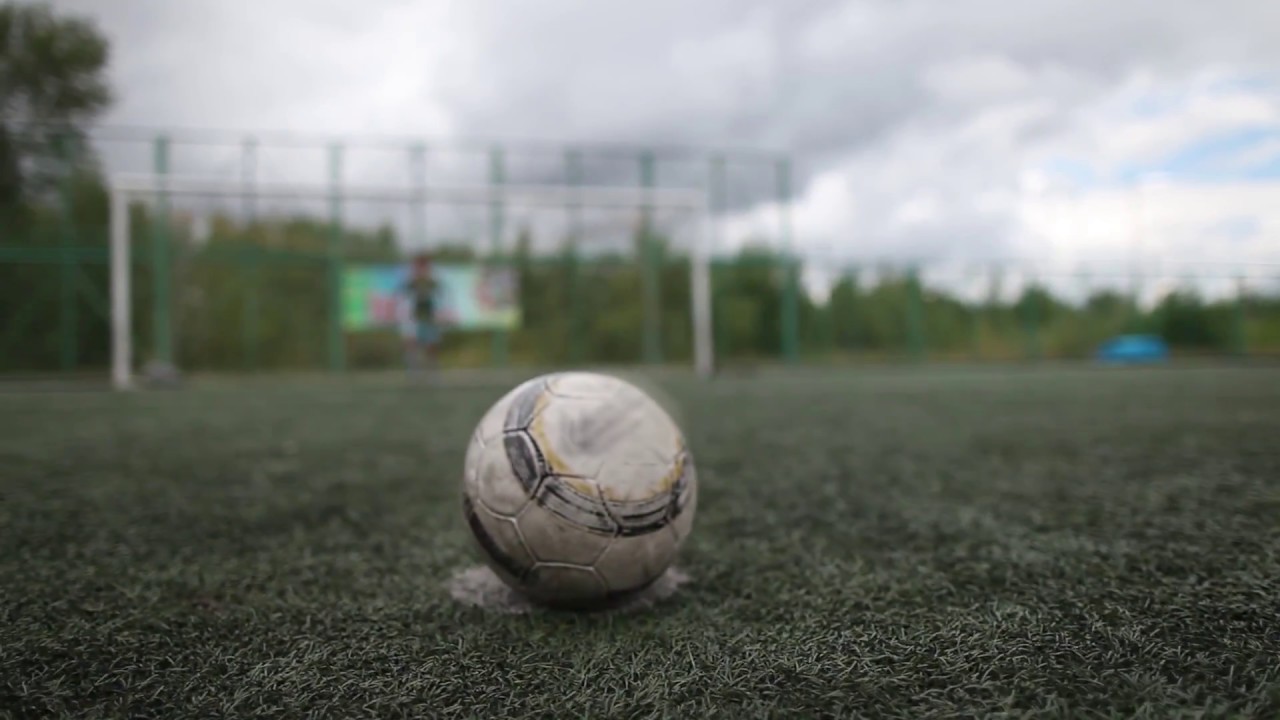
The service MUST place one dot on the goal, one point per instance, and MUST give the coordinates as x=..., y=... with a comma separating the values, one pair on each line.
x=689, y=204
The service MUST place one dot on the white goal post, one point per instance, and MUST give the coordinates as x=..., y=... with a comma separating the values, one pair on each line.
x=125, y=189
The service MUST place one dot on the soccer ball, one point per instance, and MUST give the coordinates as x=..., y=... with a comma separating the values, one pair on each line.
x=579, y=489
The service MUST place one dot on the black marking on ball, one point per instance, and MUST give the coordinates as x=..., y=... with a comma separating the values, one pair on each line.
x=679, y=497
x=584, y=511
x=642, y=523
x=500, y=557
x=526, y=460
x=639, y=517
x=525, y=405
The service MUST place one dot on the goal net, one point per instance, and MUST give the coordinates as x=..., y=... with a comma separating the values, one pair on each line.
x=158, y=221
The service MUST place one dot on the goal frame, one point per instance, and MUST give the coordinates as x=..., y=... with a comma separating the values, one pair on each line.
x=125, y=188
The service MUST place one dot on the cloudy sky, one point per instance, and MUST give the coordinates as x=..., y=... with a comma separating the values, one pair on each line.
x=1061, y=135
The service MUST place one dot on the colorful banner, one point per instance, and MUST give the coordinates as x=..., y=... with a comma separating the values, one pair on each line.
x=472, y=297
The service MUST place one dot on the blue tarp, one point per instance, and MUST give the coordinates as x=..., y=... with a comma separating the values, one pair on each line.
x=1133, y=349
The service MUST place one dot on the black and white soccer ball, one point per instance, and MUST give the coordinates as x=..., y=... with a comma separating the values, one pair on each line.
x=579, y=489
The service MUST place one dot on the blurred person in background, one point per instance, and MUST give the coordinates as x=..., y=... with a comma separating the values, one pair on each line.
x=419, y=325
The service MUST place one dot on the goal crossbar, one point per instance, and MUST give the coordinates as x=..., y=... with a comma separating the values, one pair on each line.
x=688, y=199
x=130, y=187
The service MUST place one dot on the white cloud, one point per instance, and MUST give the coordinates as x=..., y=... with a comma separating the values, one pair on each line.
x=978, y=79
x=915, y=125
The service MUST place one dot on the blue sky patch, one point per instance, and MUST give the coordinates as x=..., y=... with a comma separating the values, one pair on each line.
x=1221, y=157
x=1242, y=154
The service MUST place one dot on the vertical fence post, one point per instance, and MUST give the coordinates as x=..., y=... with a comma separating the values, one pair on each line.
x=252, y=307
x=252, y=253
x=497, y=217
x=650, y=268
x=1134, y=319
x=67, y=320
x=845, y=337
x=249, y=179
x=719, y=327
x=915, y=315
x=161, y=268
x=573, y=178
x=1239, y=329
x=337, y=349
x=790, y=291
x=975, y=323
x=1031, y=320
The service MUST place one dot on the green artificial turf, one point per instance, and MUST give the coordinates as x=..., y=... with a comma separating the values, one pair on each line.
x=1053, y=543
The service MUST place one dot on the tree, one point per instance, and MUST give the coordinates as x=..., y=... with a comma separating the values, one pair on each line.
x=52, y=84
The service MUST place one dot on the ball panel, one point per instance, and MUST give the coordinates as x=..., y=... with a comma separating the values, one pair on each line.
x=565, y=584
x=527, y=402
x=631, y=563
x=552, y=538
x=500, y=541
x=524, y=459
x=490, y=426
x=624, y=481
x=497, y=486
x=578, y=435
x=618, y=486
x=583, y=385
x=471, y=466
x=578, y=502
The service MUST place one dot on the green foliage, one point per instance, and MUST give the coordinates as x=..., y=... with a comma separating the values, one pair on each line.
x=254, y=296
x=52, y=83
x=1183, y=319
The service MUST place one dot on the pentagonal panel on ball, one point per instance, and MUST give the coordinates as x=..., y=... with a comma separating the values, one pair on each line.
x=471, y=465
x=500, y=541
x=555, y=535
x=489, y=428
x=526, y=402
x=578, y=435
x=631, y=563
x=564, y=584
x=583, y=385
x=497, y=486
x=642, y=496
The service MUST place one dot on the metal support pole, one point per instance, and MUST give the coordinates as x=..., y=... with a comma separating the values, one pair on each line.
x=710, y=336
x=915, y=316
x=573, y=177
x=249, y=322
x=1239, y=327
x=251, y=308
x=497, y=217
x=651, y=269
x=121, y=271
x=975, y=323
x=1031, y=312
x=790, y=293
x=703, y=325
x=337, y=349
x=161, y=267
x=248, y=179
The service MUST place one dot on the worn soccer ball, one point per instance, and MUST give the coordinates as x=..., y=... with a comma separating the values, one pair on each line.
x=579, y=489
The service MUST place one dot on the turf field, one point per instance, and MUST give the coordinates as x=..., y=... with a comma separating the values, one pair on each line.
x=1051, y=543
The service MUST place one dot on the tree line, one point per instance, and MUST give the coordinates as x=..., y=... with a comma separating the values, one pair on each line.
x=257, y=295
